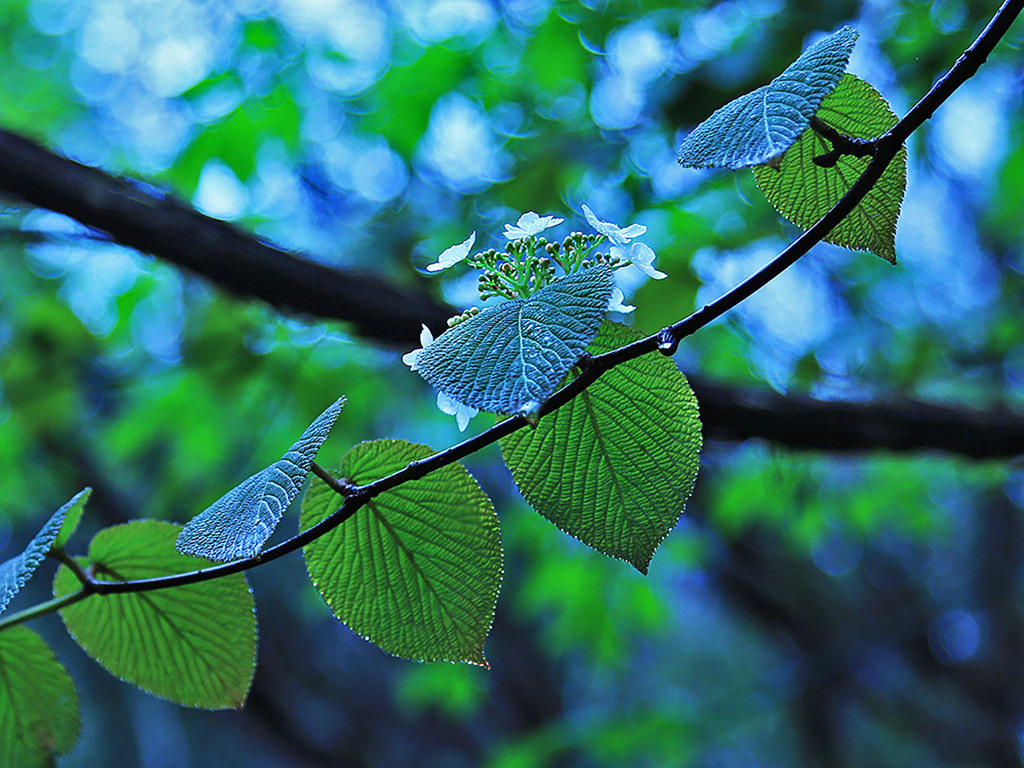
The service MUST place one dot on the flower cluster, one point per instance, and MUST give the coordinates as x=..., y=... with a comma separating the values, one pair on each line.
x=640, y=255
x=462, y=413
x=529, y=262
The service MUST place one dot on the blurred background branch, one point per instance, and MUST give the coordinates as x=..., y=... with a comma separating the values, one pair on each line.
x=154, y=222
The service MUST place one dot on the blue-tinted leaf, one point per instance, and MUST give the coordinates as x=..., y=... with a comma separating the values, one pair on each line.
x=763, y=124
x=239, y=523
x=510, y=358
x=75, y=509
x=18, y=570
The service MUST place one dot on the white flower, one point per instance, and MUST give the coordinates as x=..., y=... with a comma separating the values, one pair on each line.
x=452, y=256
x=462, y=412
x=616, y=305
x=641, y=256
x=426, y=339
x=530, y=224
x=615, y=234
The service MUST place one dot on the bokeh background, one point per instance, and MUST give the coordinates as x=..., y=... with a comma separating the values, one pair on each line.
x=843, y=606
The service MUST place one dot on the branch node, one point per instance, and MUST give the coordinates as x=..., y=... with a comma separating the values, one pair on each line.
x=341, y=486
x=84, y=576
x=842, y=144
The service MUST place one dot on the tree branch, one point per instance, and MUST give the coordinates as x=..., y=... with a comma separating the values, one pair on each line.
x=144, y=218
x=741, y=413
x=133, y=214
x=888, y=145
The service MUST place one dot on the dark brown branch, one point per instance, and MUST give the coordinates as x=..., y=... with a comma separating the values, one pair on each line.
x=741, y=413
x=141, y=217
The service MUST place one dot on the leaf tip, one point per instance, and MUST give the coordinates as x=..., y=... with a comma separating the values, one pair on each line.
x=335, y=408
x=846, y=34
x=641, y=565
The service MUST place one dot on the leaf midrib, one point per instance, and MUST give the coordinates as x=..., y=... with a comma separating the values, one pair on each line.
x=373, y=507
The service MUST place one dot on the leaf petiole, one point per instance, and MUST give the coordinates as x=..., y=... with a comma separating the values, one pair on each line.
x=50, y=606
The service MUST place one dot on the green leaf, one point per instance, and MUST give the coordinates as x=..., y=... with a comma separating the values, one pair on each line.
x=764, y=123
x=192, y=644
x=73, y=516
x=16, y=572
x=239, y=523
x=803, y=192
x=39, y=716
x=510, y=358
x=417, y=570
x=614, y=466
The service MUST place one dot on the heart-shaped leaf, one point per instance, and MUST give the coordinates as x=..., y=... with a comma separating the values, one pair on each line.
x=239, y=523
x=193, y=644
x=14, y=573
x=764, y=123
x=614, y=466
x=417, y=570
x=803, y=192
x=39, y=716
x=510, y=358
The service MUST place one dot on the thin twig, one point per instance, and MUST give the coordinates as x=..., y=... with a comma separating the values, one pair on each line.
x=44, y=608
x=888, y=145
x=340, y=487
x=842, y=144
x=72, y=565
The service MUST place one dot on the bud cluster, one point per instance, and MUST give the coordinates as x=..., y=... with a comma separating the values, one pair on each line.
x=471, y=312
x=528, y=264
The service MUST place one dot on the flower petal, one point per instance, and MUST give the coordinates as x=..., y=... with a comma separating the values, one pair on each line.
x=426, y=337
x=643, y=257
x=530, y=224
x=528, y=221
x=616, y=234
x=616, y=304
x=601, y=227
x=633, y=230
x=451, y=256
x=462, y=412
x=446, y=405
